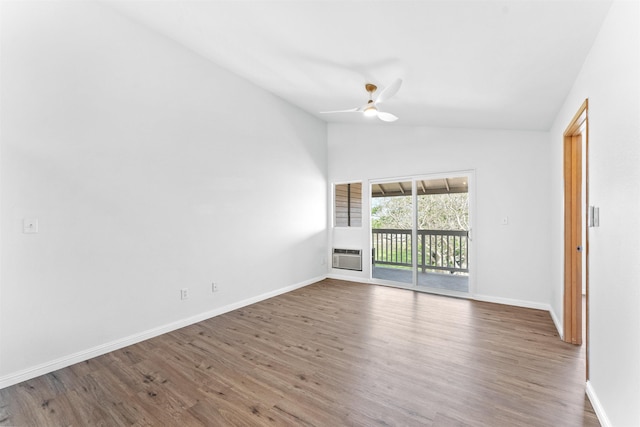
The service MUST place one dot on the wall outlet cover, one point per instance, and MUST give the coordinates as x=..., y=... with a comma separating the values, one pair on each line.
x=30, y=225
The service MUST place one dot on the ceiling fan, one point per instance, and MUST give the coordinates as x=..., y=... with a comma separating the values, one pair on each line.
x=371, y=107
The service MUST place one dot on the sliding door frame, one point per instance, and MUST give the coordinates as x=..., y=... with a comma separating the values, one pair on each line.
x=470, y=175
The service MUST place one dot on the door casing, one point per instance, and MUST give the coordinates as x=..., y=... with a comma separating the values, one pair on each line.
x=576, y=143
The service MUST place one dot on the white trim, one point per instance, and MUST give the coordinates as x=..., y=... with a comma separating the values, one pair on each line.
x=557, y=322
x=484, y=298
x=63, y=362
x=597, y=406
x=348, y=278
x=514, y=302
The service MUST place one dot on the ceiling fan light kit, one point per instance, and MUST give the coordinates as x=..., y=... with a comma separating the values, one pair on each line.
x=370, y=109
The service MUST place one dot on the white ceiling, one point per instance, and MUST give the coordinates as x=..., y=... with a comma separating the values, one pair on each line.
x=473, y=64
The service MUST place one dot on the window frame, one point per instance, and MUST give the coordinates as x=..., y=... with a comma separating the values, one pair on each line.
x=353, y=209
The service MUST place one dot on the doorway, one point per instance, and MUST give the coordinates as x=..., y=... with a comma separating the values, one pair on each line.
x=576, y=241
x=420, y=233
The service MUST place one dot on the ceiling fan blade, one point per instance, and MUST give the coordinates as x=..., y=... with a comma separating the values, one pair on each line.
x=389, y=91
x=352, y=110
x=386, y=117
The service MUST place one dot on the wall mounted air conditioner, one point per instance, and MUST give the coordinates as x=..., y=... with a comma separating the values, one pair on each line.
x=347, y=259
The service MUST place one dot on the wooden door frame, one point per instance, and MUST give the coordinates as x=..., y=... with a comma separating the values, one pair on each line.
x=576, y=141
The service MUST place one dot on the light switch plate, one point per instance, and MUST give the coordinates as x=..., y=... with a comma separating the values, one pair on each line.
x=30, y=225
x=594, y=216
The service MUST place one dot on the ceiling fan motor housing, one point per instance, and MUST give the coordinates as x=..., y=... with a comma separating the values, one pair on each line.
x=371, y=108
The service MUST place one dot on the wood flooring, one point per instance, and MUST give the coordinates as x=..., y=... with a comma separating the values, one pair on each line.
x=331, y=354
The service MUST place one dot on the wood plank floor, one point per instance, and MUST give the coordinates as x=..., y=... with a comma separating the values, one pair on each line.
x=330, y=354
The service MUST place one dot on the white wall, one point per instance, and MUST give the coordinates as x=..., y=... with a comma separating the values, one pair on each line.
x=149, y=171
x=511, y=179
x=610, y=79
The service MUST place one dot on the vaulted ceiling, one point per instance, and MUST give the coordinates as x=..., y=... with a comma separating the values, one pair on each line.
x=471, y=64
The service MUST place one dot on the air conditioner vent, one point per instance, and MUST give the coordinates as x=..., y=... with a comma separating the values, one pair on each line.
x=347, y=259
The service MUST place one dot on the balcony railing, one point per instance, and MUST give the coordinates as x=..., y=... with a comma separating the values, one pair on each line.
x=443, y=250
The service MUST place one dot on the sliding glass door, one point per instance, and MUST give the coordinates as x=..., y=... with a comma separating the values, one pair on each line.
x=443, y=234
x=420, y=232
x=392, y=217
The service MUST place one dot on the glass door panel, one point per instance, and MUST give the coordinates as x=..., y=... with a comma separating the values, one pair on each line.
x=442, y=235
x=392, y=216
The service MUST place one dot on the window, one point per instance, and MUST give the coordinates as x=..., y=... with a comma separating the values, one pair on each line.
x=348, y=205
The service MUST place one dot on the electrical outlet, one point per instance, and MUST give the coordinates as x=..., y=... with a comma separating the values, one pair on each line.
x=184, y=293
x=214, y=287
x=30, y=225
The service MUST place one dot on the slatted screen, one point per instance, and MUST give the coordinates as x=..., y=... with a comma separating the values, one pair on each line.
x=348, y=205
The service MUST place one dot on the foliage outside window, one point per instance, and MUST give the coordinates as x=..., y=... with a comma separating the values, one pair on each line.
x=435, y=212
x=348, y=205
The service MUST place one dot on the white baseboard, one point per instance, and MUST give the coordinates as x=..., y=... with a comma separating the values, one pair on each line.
x=485, y=298
x=557, y=322
x=63, y=362
x=514, y=302
x=525, y=304
x=348, y=278
x=597, y=406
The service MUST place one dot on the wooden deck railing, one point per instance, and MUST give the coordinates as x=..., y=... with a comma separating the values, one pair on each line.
x=446, y=250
